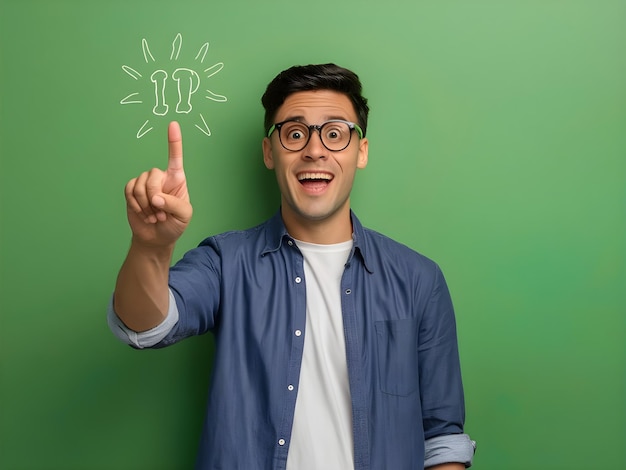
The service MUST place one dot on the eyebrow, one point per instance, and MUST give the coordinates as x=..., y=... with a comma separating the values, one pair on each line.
x=294, y=118
x=330, y=118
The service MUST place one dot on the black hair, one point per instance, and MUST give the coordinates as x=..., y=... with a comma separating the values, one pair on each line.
x=314, y=77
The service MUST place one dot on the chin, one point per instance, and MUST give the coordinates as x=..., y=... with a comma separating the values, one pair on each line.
x=317, y=215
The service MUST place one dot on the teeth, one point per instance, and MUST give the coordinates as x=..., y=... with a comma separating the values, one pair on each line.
x=314, y=176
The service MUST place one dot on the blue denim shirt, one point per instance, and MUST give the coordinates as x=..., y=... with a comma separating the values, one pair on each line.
x=248, y=288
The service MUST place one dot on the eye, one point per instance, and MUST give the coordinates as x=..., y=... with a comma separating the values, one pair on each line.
x=294, y=131
x=335, y=131
x=295, y=135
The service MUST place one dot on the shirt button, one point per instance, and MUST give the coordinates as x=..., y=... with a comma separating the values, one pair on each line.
x=298, y=333
x=298, y=280
x=290, y=388
x=290, y=243
x=348, y=291
x=281, y=442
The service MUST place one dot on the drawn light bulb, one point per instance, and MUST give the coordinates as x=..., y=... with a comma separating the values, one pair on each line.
x=187, y=82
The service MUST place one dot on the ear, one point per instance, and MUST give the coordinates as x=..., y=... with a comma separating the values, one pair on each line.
x=268, y=158
x=363, y=151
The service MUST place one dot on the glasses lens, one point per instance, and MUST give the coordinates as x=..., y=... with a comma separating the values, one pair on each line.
x=294, y=135
x=335, y=135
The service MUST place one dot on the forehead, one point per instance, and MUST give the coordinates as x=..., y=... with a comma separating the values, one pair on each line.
x=316, y=105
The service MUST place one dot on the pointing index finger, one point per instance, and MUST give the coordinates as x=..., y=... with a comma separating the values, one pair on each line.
x=175, y=140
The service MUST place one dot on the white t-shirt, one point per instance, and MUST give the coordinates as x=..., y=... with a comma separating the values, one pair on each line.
x=322, y=427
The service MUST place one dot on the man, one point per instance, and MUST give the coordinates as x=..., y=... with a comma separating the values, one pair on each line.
x=336, y=347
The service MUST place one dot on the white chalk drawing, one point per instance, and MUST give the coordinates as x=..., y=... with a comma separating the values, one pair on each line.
x=146, y=50
x=188, y=81
x=127, y=100
x=131, y=71
x=143, y=131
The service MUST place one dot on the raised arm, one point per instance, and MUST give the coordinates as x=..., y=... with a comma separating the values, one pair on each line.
x=158, y=210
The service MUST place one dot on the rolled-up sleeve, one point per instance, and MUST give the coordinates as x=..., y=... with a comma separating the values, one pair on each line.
x=452, y=448
x=144, y=339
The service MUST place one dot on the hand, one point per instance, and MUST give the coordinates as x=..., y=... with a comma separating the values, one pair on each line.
x=157, y=201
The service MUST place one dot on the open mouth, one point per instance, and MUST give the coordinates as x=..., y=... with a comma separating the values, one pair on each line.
x=315, y=181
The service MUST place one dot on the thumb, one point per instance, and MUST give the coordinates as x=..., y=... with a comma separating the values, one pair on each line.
x=179, y=208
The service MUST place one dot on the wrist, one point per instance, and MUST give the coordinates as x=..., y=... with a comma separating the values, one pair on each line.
x=156, y=251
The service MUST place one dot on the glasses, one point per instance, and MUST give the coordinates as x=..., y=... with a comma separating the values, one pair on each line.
x=335, y=134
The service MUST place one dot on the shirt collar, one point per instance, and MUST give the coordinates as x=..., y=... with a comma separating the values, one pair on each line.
x=359, y=237
x=276, y=234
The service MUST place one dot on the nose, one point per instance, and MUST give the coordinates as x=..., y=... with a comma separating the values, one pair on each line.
x=315, y=149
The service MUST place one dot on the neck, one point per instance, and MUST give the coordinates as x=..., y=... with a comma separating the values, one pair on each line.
x=334, y=229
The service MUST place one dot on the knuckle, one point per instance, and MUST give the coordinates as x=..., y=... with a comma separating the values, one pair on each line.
x=138, y=190
x=128, y=189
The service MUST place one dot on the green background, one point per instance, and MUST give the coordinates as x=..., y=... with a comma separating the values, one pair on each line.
x=497, y=148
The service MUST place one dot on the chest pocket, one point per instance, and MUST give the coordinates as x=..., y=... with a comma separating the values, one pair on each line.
x=397, y=356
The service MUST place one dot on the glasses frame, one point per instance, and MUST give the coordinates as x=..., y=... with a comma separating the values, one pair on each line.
x=318, y=127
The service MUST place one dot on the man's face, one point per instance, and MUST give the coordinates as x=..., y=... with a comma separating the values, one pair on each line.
x=315, y=183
